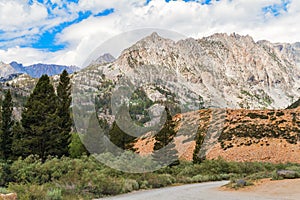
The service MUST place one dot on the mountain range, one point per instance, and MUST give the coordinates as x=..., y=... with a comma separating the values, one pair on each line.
x=228, y=71
x=247, y=84
x=10, y=71
x=225, y=71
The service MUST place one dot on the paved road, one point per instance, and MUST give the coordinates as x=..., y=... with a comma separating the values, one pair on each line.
x=202, y=191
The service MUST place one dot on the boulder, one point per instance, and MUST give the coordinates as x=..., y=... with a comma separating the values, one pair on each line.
x=241, y=183
x=287, y=174
x=10, y=196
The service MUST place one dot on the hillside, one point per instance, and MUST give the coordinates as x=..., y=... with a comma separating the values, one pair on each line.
x=237, y=135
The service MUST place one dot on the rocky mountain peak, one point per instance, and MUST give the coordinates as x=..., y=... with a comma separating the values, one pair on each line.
x=103, y=59
x=228, y=70
x=6, y=70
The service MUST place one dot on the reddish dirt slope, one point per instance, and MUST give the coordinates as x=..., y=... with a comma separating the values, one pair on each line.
x=237, y=135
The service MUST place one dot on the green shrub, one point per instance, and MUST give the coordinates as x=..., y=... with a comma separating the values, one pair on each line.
x=86, y=178
x=161, y=180
x=201, y=178
x=3, y=190
x=130, y=185
x=28, y=191
x=54, y=194
x=259, y=175
x=275, y=176
x=144, y=185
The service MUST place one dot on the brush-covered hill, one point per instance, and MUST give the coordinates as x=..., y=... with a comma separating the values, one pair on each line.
x=236, y=135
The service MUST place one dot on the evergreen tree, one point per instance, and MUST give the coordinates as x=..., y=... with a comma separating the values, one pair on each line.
x=17, y=132
x=76, y=147
x=164, y=142
x=199, y=141
x=6, y=126
x=95, y=138
x=40, y=121
x=65, y=121
x=117, y=135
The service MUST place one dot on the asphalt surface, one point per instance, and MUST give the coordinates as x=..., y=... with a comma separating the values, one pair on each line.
x=202, y=191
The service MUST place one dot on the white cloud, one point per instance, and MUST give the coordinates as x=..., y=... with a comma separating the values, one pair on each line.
x=191, y=19
x=24, y=55
x=16, y=15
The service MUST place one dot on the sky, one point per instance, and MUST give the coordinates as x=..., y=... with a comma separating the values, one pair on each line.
x=67, y=31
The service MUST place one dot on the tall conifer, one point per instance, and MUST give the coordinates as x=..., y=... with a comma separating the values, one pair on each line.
x=6, y=126
x=164, y=142
x=65, y=121
x=40, y=121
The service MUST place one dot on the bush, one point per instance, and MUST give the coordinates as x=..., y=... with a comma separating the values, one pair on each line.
x=130, y=185
x=54, y=194
x=3, y=190
x=161, y=180
x=86, y=178
x=28, y=191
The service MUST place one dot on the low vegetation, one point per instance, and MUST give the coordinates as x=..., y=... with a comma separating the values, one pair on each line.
x=86, y=178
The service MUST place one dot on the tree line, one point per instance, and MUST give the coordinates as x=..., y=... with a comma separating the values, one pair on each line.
x=46, y=123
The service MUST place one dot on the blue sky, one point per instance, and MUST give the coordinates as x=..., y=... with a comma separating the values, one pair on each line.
x=60, y=30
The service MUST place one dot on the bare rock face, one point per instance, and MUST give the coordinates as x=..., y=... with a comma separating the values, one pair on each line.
x=6, y=70
x=104, y=59
x=226, y=70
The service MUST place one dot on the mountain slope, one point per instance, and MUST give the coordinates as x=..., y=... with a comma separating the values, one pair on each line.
x=104, y=59
x=6, y=70
x=244, y=135
x=225, y=70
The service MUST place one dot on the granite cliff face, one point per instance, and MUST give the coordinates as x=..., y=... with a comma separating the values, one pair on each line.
x=104, y=59
x=225, y=70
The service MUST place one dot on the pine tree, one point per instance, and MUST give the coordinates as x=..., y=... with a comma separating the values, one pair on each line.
x=95, y=138
x=6, y=126
x=17, y=131
x=199, y=141
x=76, y=147
x=164, y=143
x=40, y=121
x=65, y=121
x=117, y=135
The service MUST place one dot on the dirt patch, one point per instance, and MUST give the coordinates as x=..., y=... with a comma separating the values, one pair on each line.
x=279, y=189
